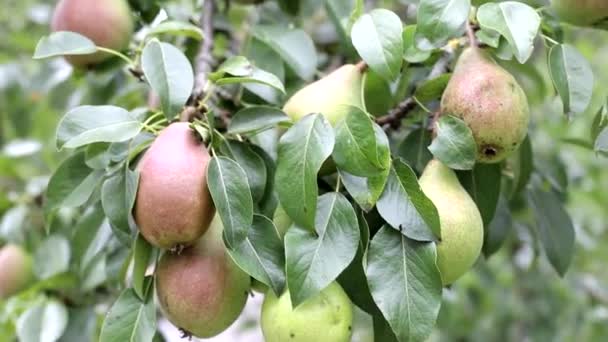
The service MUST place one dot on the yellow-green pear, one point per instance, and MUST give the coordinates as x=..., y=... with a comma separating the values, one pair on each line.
x=201, y=290
x=581, y=12
x=326, y=317
x=329, y=96
x=16, y=270
x=490, y=101
x=460, y=220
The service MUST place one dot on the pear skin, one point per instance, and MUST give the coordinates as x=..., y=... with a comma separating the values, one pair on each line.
x=329, y=95
x=490, y=101
x=173, y=204
x=107, y=23
x=581, y=12
x=326, y=317
x=201, y=290
x=460, y=220
x=16, y=270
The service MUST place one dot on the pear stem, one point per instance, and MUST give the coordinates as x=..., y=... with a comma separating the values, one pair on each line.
x=362, y=66
x=471, y=35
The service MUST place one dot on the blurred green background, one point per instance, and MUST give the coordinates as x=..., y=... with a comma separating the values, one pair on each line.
x=514, y=296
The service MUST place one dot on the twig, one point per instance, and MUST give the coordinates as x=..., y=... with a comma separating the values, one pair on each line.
x=204, y=59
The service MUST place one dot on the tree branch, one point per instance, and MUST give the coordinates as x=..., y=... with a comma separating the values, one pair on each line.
x=395, y=115
x=204, y=59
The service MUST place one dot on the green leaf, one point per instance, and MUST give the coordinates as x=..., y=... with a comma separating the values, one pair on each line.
x=497, y=231
x=240, y=70
x=90, y=237
x=377, y=36
x=522, y=164
x=315, y=259
x=52, y=257
x=440, y=20
x=91, y=124
x=365, y=191
x=129, y=319
x=252, y=164
x=516, y=21
x=118, y=195
x=405, y=207
x=357, y=151
x=229, y=189
x=176, y=28
x=64, y=43
x=45, y=321
x=555, y=227
x=572, y=77
x=411, y=53
x=353, y=278
x=72, y=184
x=414, y=148
x=256, y=118
x=169, y=73
x=601, y=143
x=600, y=122
x=294, y=45
x=142, y=252
x=302, y=151
x=483, y=184
x=454, y=145
x=404, y=280
x=432, y=89
x=262, y=254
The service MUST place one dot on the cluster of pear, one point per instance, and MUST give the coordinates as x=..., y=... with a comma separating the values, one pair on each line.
x=16, y=270
x=107, y=23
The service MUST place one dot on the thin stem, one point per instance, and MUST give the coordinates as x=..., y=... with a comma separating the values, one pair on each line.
x=549, y=39
x=117, y=54
x=153, y=117
x=471, y=34
x=338, y=183
x=421, y=105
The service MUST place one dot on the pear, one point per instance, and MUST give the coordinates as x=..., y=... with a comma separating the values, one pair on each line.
x=173, y=204
x=460, y=220
x=201, y=290
x=16, y=270
x=581, y=12
x=490, y=101
x=326, y=317
x=329, y=96
x=107, y=23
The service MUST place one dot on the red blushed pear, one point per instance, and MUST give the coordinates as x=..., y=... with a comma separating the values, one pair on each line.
x=201, y=290
x=108, y=23
x=173, y=205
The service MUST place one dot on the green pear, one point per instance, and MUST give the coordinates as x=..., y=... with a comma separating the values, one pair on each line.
x=201, y=290
x=460, y=220
x=16, y=270
x=173, y=206
x=326, y=317
x=107, y=23
x=581, y=12
x=490, y=101
x=329, y=96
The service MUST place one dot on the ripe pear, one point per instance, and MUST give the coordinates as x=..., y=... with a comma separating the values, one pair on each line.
x=581, y=12
x=201, y=290
x=329, y=95
x=326, y=317
x=107, y=23
x=459, y=218
x=16, y=270
x=490, y=101
x=173, y=205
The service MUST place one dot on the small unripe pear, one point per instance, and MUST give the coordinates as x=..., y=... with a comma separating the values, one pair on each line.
x=329, y=96
x=460, y=220
x=173, y=205
x=326, y=317
x=107, y=23
x=201, y=290
x=490, y=101
x=15, y=270
x=582, y=12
